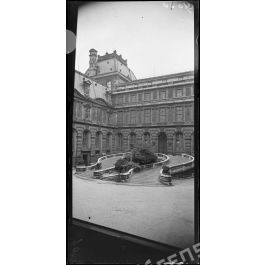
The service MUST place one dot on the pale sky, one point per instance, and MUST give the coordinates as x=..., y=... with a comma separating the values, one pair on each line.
x=154, y=39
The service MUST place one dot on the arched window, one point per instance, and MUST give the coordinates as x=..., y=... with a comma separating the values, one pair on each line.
x=108, y=141
x=178, y=143
x=162, y=143
x=188, y=144
x=119, y=144
x=98, y=141
x=192, y=143
x=86, y=139
x=87, y=112
x=146, y=138
x=132, y=140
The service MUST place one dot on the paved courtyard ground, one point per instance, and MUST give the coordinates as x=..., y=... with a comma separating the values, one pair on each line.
x=164, y=214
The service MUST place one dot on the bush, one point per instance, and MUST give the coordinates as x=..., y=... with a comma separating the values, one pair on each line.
x=143, y=156
x=98, y=166
x=165, y=169
x=137, y=169
x=124, y=164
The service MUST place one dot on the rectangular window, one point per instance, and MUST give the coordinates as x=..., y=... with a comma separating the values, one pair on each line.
x=98, y=113
x=94, y=114
x=170, y=114
x=147, y=116
x=120, y=99
x=133, y=117
x=188, y=91
x=133, y=98
x=140, y=96
x=162, y=115
x=162, y=94
x=79, y=112
x=139, y=116
x=101, y=115
x=119, y=117
x=170, y=93
x=188, y=114
x=126, y=98
x=179, y=114
x=127, y=117
x=155, y=94
x=154, y=115
x=179, y=92
x=104, y=116
x=147, y=96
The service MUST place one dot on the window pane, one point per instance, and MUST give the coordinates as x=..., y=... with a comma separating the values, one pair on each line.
x=155, y=94
x=188, y=91
x=179, y=114
x=170, y=93
x=162, y=94
x=147, y=116
x=162, y=115
x=133, y=98
x=147, y=96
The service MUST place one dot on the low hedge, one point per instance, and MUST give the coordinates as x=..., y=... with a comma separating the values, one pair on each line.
x=123, y=165
x=143, y=156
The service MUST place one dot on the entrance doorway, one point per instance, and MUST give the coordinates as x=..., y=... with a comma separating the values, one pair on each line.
x=162, y=143
x=86, y=158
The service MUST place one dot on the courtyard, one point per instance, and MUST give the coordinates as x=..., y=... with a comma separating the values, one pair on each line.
x=143, y=207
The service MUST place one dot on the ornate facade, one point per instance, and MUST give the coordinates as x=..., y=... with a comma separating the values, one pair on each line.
x=114, y=111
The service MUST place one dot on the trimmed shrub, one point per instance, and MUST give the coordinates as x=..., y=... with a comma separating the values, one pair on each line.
x=143, y=156
x=123, y=165
x=137, y=169
x=165, y=169
x=98, y=166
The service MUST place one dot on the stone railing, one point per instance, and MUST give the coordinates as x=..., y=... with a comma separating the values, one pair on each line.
x=98, y=164
x=98, y=173
x=166, y=177
x=118, y=176
x=182, y=166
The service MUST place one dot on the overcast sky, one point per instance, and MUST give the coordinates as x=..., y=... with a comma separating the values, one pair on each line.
x=157, y=38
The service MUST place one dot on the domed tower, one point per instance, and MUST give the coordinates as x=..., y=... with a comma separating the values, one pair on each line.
x=92, y=70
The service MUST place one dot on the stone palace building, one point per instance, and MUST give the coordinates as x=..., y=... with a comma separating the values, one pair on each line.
x=114, y=111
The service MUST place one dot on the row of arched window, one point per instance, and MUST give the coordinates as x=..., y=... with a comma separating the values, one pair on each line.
x=178, y=141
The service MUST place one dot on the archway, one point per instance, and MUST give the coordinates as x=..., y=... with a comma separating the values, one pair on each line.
x=146, y=138
x=132, y=140
x=119, y=142
x=162, y=143
x=98, y=142
x=109, y=142
x=86, y=139
x=178, y=143
x=192, y=143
